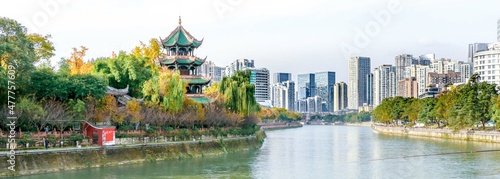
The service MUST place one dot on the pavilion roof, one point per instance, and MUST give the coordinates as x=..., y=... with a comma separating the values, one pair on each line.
x=180, y=37
x=183, y=60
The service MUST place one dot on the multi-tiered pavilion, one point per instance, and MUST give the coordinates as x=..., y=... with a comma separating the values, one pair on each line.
x=180, y=46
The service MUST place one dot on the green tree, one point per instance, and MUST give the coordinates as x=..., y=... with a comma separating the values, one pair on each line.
x=44, y=48
x=167, y=89
x=125, y=70
x=427, y=114
x=17, y=50
x=239, y=93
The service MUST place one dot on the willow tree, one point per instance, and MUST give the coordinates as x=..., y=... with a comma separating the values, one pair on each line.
x=166, y=89
x=239, y=94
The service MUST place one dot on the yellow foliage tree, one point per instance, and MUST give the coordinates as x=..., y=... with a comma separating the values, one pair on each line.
x=76, y=63
x=108, y=110
x=134, y=110
x=151, y=50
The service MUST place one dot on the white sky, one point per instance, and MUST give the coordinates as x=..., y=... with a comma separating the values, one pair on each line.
x=296, y=36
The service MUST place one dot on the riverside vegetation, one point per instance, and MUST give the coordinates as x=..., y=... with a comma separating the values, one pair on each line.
x=76, y=92
x=461, y=107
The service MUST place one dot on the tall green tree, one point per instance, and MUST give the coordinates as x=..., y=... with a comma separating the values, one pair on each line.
x=123, y=70
x=167, y=89
x=16, y=50
x=239, y=93
x=44, y=48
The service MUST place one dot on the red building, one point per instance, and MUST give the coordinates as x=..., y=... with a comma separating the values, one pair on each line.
x=100, y=135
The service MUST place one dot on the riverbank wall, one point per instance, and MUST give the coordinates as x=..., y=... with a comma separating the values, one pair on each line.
x=478, y=136
x=43, y=161
x=272, y=126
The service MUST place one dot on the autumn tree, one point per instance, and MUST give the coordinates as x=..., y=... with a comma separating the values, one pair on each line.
x=166, y=89
x=76, y=62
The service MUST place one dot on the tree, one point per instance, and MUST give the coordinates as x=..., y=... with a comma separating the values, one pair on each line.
x=412, y=109
x=47, y=84
x=124, y=70
x=133, y=110
x=16, y=50
x=44, y=48
x=166, y=89
x=427, y=113
x=76, y=63
x=495, y=111
x=152, y=51
x=239, y=93
x=82, y=86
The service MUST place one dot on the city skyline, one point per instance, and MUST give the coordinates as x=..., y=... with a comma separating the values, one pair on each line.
x=238, y=33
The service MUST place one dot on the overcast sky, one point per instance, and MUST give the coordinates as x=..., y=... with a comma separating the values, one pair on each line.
x=296, y=36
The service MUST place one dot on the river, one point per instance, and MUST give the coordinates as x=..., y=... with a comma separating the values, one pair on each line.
x=322, y=152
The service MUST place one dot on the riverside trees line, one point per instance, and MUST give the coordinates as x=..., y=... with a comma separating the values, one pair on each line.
x=463, y=106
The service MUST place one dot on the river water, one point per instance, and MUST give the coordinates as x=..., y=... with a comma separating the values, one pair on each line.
x=323, y=152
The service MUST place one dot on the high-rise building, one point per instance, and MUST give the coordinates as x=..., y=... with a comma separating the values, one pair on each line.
x=466, y=70
x=384, y=83
x=281, y=77
x=238, y=65
x=369, y=89
x=408, y=88
x=306, y=85
x=260, y=78
x=324, y=82
x=209, y=69
x=498, y=30
x=421, y=75
x=339, y=96
x=283, y=95
x=301, y=105
x=486, y=64
x=289, y=95
x=314, y=104
x=403, y=61
x=474, y=48
x=359, y=68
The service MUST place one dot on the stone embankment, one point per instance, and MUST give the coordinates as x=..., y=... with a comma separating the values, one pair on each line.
x=57, y=160
x=279, y=125
x=480, y=136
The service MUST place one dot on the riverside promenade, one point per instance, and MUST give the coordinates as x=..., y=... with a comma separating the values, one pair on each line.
x=480, y=136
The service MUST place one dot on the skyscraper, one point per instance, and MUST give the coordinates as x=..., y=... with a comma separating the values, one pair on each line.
x=369, y=89
x=486, y=64
x=281, y=77
x=209, y=69
x=498, y=30
x=474, y=48
x=306, y=85
x=260, y=78
x=384, y=83
x=339, y=96
x=283, y=95
x=403, y=61
x=359, y=68
x=237, y=65
x=324, y=88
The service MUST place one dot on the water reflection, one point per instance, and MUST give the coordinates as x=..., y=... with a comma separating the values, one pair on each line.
x=323, y=152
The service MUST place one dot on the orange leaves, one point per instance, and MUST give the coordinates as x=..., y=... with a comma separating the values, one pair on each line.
x=76, y=63
x=134, y=110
